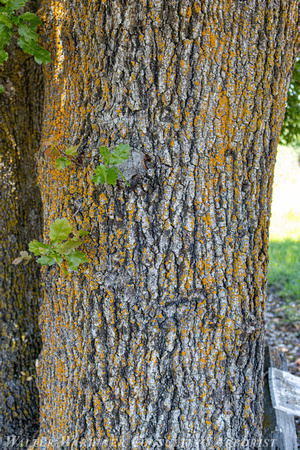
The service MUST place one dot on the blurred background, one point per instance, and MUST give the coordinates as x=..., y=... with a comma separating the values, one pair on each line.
x=283, y=304
x=283, y=307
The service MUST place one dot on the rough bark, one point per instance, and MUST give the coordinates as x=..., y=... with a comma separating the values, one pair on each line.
x=20, y=222
x=158, y=342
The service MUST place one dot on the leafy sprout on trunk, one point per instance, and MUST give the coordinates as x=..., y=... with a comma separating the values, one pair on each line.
x=107, y=172
x=62, y=247
x=63, y=158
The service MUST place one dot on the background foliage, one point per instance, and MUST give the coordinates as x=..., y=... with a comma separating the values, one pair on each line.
x=290, y=133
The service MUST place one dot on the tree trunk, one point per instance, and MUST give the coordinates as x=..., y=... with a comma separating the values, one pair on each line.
x=157, y=343
x=20, y=222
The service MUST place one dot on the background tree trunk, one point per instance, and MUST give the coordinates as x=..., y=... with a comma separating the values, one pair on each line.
x=20, y=222
x=158, y=342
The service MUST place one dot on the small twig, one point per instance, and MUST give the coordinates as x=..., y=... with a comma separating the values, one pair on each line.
x=62, y=153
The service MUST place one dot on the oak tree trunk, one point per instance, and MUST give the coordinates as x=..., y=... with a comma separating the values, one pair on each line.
x=20, y=222
x=157, y=343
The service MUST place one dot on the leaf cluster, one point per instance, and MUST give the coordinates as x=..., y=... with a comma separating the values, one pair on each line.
x=62, y=248
x=62, y=157
x=107, y=172
x=290, y=133
x=22, y=26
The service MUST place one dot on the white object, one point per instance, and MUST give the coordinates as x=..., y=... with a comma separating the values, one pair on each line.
x=285, y=391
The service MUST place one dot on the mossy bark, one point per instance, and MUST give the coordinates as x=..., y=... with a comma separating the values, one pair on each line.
x=20, y=222
x=158, y=341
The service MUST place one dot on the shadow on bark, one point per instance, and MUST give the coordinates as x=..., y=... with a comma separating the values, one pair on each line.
x=20, y=221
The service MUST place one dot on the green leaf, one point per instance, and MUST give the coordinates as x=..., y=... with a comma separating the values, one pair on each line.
x=13, y=5
x=38, y=248
x=122, y=176
x=105, y=154
x=3, y=56
x=59, y=230
x=83, y=233
x=24, y=256
x=27, y=33
x=17, y=260
x=40, y=54
x=100, y=174
x=58, y=258
x=6, y=20
x=72, y=151
x=31, y=18
x=16, y=20
x=1, y=88
x=65, y=247
x=5, y=35
x=46, y=260
x=62, y=162
x=74, y=258
x=34, y=247
x=111, y=176
x=120, y=154
x=64, y=271
x=80, y=233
